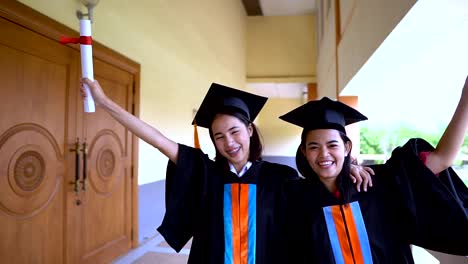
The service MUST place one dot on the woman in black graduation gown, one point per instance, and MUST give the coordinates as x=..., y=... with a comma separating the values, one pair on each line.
x=232, y=206
x=416, y=198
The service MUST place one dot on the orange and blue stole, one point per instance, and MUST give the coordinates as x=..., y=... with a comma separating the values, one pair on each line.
x=348, y=234
x=240, y=213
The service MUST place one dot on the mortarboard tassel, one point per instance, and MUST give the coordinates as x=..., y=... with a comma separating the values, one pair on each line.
x=196, y=142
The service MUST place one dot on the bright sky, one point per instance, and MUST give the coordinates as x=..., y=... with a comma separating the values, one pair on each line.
x=416, y=75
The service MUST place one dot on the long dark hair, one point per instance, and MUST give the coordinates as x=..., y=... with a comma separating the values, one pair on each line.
x=256, y=145
x=343, y=181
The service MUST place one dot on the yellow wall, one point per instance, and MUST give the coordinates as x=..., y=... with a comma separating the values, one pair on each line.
x=281, y=49
x=279, y=138
x=182, y=46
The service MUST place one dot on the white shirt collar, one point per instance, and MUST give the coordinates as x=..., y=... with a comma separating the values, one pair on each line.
x=243, y=171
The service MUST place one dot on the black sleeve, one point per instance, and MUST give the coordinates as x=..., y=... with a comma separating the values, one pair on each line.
x=435, y=206
x=184, y=182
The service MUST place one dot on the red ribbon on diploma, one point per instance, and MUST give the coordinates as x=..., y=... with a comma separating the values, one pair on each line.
x=83, y=40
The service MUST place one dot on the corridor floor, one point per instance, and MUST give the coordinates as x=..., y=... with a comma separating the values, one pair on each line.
x=155, y=251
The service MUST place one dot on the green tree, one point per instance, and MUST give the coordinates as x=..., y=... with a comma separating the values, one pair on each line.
x=381, y=141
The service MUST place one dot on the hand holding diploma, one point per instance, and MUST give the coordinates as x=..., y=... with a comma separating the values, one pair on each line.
x=90, y=88
x=86, y=59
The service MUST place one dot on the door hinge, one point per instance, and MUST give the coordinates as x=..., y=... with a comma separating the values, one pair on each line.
x=131, y=172
x=131, y=234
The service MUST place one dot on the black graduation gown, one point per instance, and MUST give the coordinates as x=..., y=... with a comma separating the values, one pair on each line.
x=225, y=214
x=407, y=204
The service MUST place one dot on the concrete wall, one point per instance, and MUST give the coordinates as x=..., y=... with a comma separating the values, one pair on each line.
x=280, y=138
x=326, y=41
x=363, y=25
x=281, y=49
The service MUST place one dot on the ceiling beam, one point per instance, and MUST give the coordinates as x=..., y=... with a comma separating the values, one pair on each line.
x=252, y=7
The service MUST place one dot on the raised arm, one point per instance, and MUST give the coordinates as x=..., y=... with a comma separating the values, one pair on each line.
x=452, y=139
x=137, y=126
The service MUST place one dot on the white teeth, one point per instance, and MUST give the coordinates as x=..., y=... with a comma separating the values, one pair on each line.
x=325, y=163
x=233, y=151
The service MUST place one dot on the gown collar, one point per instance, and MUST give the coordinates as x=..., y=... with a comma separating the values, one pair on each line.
x=243, y=171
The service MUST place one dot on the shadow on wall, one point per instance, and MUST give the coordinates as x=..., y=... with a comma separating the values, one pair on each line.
x=151, y=208
x=289, y=161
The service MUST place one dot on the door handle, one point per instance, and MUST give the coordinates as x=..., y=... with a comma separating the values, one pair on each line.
x=84, y=149
x=76, y=181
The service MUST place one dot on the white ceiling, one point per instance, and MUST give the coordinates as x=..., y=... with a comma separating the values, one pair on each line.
x=287, y=7
x=279, y=90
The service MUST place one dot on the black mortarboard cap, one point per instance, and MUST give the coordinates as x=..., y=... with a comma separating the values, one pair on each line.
x=322, y=114
x=220, y=98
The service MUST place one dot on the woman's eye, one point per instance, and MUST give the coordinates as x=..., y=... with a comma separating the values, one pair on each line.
x=218, y=138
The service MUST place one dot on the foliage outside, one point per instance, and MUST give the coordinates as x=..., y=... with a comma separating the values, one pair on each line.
x=382, y=141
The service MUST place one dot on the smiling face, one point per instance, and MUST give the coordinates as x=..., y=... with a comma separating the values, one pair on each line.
x=232, y=139
x=325, y=151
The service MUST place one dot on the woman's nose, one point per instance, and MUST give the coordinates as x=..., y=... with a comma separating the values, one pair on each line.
x=229, y=140
x=323, y=152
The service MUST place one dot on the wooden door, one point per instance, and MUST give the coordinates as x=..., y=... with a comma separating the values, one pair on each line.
x=37, y=125
x=43, y=218
x=106, y=219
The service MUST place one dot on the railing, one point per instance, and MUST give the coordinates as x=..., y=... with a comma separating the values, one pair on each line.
x=371, y=158
x=462, y=171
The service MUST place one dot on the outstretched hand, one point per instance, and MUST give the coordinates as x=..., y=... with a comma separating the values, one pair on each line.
x=361, y=176
x=95, y=89
x=452, y=139
x=464, y=95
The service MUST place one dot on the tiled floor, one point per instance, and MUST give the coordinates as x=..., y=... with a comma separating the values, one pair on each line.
x=155, y=251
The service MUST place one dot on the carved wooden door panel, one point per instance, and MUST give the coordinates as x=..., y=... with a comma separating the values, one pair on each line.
x=44, y=217
x=37, y=125
x=106, y=218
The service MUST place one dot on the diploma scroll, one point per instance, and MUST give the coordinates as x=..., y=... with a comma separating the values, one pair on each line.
x=87, y=63
x=86, y=50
